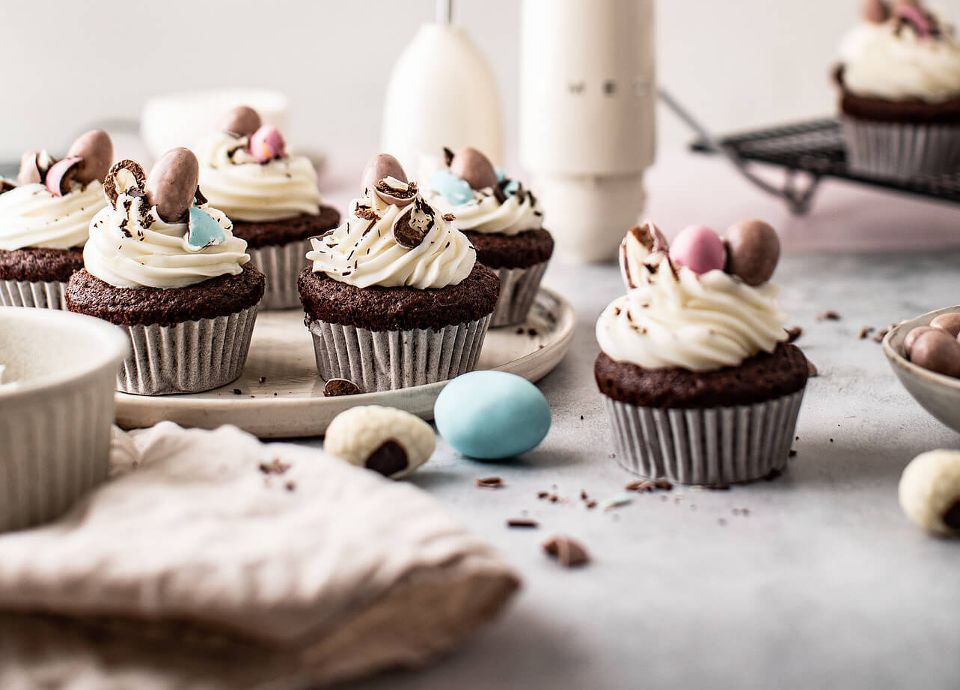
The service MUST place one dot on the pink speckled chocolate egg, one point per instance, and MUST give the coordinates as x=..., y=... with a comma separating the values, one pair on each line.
x=267, y=143
x=698, y=248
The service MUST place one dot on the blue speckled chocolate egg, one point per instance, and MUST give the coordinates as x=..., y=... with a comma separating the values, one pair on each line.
x=491, y=415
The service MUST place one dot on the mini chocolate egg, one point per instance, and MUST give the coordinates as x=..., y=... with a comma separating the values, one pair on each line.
x=492, y=415
x=913, y=335
x=383, y=439
x=172, y=184
x=96, y=149
x=381, y=166
x=242, y=121
x=929, y=492
x=61, y=174
x=753, y=251
x=267, y=144
x=475, y=168
x=937, y=351
x=698, y=248
x=949, y=322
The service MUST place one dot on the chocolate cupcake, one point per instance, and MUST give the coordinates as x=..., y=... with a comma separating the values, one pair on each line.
x=699, y=382
x=503, y=221
x=270, y=196
x=165, y=266
x=45, y=218
x=395, y=297
x=899, y=82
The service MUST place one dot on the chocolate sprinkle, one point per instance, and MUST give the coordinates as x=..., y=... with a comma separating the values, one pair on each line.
x=568, y=552
x=388, y=459
x=337, y=387
x=829, y=315
x=523, y=523
x=490, y=483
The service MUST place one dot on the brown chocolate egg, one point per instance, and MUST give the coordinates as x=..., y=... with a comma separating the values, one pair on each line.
x=913, y=335
x=172, y=184
x=876, y=11
x=948, y=322
x=381, y=166
x=242, y=121
x=474, y=168
x=753, y=251
x=937, y=351
x=96, y=150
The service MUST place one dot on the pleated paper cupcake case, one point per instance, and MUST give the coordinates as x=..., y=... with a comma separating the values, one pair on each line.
x=901, y=151
x=518, y=290
x=39, y=294
x=281, y=264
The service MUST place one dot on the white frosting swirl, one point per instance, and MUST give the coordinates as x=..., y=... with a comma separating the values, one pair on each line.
x=131, y=247
x=233, y=181
x=364, y=252
x=677, y=319
x=880, y=62
x=485, y=214
x=30, y=216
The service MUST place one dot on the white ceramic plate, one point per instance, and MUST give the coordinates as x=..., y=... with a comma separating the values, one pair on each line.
x=281, y=396
x=939, y=395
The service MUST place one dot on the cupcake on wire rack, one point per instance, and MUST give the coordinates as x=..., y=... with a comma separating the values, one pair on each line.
x=395, y=296
x=504, y=222
x=165, y=266
x=699, y=382
x=270, y=196
x=899, y=82
x=45, y=218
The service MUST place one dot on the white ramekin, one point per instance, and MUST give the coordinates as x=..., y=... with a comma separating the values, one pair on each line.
x=56, y=412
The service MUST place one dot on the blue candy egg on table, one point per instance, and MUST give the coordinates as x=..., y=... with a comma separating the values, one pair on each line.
x=492, y=415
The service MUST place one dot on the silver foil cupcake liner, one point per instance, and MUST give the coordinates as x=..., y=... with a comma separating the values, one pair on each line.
x=388, y=360
x=281, y=264
x=901, y=151
x=518, y=290
x=28, y=293
x=189, y=357
x=709, y=447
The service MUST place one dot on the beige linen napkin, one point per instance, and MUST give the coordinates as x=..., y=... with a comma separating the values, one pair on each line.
x=214, y=561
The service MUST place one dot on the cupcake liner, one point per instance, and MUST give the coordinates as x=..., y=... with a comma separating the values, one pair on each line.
x=28, y=293
x=713, y=446
x=189, y=357
x=388, y=360
x=901, y=151
x=518, y=290
x=54, y=451
x=281, y=264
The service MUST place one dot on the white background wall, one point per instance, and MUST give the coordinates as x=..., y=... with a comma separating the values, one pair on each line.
x=735, y=64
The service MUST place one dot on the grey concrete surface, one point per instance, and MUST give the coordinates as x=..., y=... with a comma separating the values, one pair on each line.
x=823, y=584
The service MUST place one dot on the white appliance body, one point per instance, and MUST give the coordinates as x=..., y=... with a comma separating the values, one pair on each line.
x=441, y=93
x=587, y=117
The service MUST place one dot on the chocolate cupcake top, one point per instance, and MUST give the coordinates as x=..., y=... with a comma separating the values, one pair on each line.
x=393, y=238
x=901, y=51
x=702, y=304
x=481, y=197
x=51, y=203
x=159, y=231
x=247, y=172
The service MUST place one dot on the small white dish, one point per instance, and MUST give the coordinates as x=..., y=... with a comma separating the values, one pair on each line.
x=937, y=394
x=56, y=410
x=280, y=394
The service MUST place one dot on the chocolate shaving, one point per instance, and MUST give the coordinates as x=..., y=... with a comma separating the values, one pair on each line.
x=337, y=387
x=794, y=333
x=828, y=315
x=366, y=212
x=523, y=523
x=275, y=466
x=568, y=552
x=490, y=483
x=198, y=197
x=448, y=156
x=110, y=188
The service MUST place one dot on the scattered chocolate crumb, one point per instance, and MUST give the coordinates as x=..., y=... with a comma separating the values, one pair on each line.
x=581, y=418
x=865, y=331
x=792, y=453
x=648, y=485
x=237, y=391
x=812, y=370
x=523, y=523
x=543, y=494
x=532, y=332
x=831, y=440
x=794, y=333
x=262, y=379
x=880, y=335
x=568, y=552
x=591, y=504
x=554, y=498
x=829, y=315
x=490, y=483
x=275, y=466
x=520, y=330
x=290, y=486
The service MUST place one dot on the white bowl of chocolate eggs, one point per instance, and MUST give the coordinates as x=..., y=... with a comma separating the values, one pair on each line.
x=925, y=355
